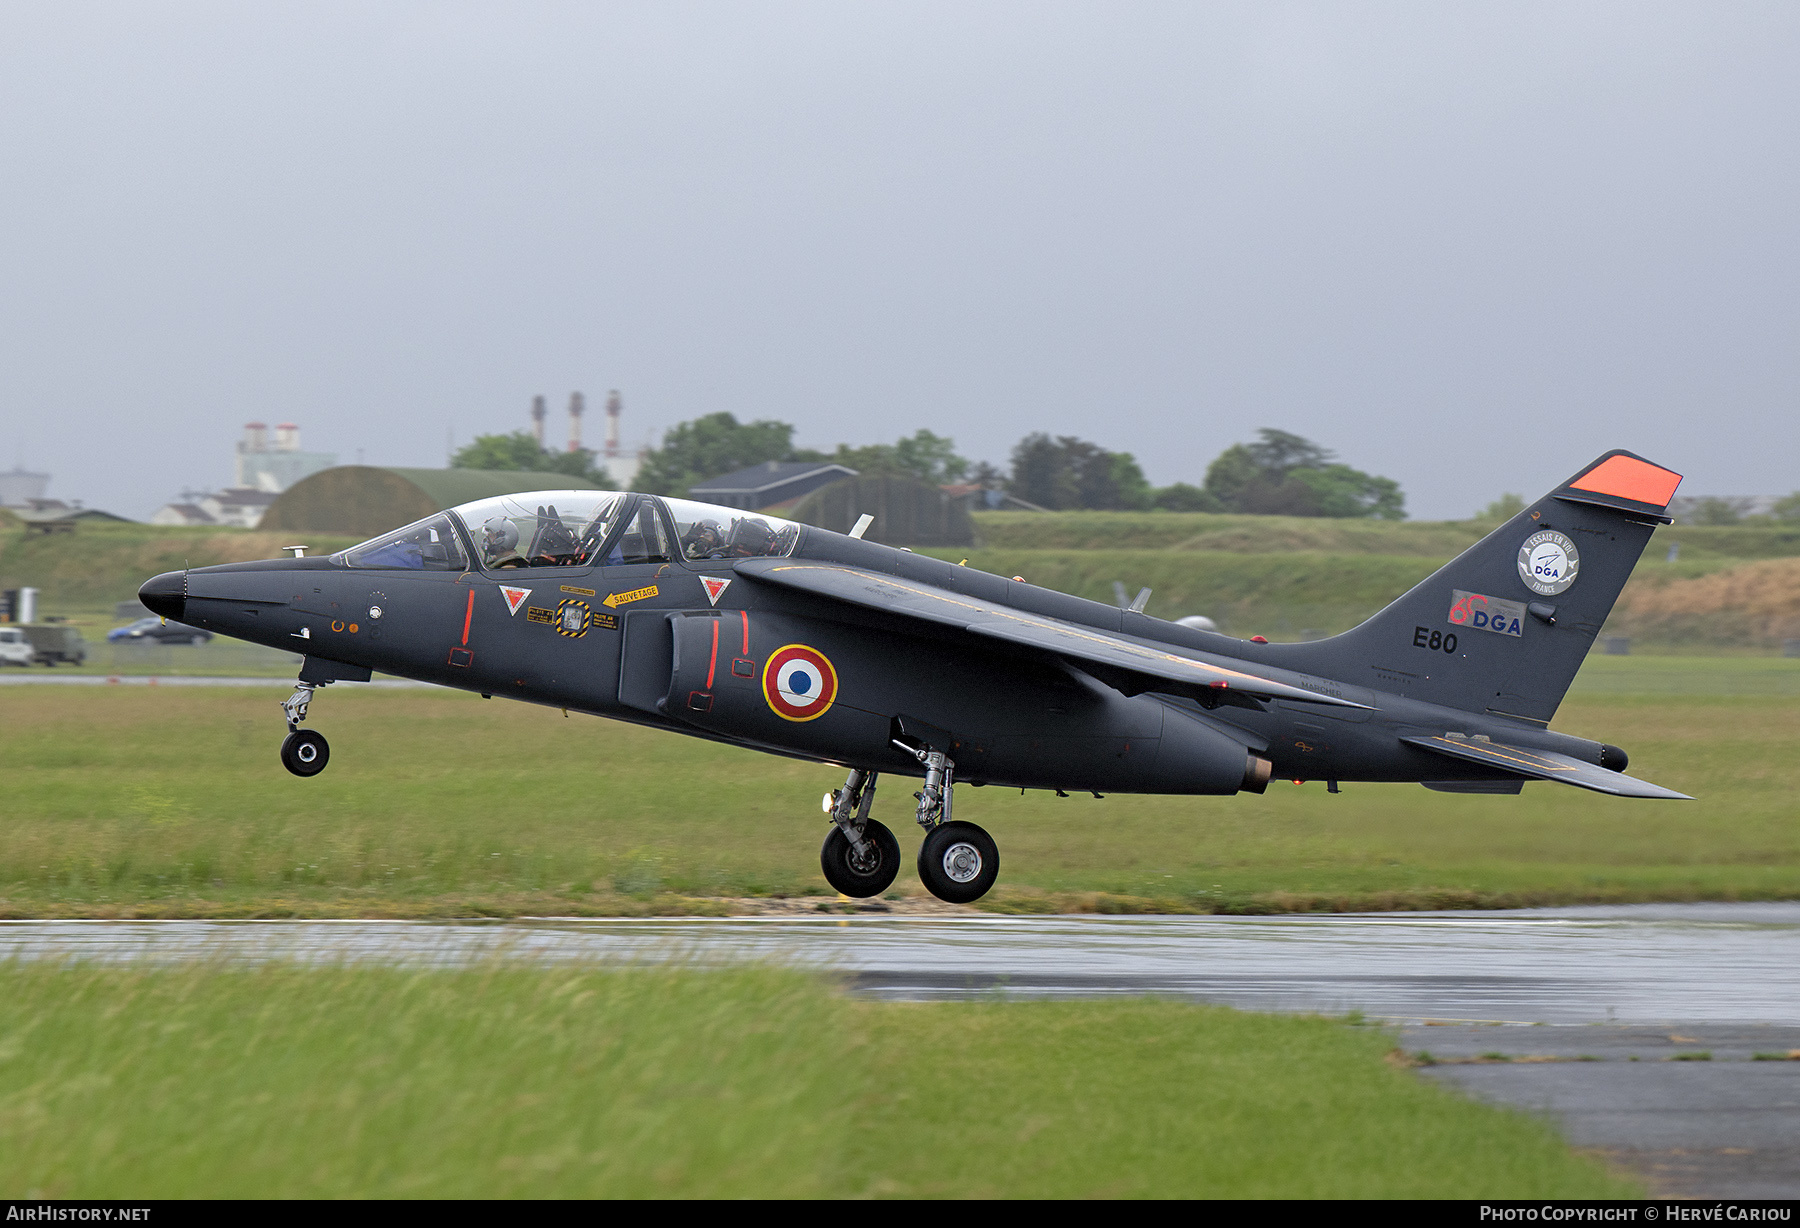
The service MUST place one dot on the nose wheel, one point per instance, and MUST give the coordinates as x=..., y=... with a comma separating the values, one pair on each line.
x=861, y=874
x=304, y=752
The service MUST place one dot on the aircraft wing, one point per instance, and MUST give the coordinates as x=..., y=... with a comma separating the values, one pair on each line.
x=985, y=618
x=1542, y=765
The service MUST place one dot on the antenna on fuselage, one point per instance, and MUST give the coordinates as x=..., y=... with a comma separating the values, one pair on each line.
x=862, y=525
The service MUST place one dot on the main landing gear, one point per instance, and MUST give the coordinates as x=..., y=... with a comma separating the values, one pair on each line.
x=958, y=862
x=304, y=752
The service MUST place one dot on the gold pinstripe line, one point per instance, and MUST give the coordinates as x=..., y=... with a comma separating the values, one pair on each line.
x=1039, y=623
x=1526, y=757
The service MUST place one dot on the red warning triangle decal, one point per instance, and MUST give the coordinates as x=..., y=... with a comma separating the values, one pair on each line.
x=715, y=587
x=515, y=597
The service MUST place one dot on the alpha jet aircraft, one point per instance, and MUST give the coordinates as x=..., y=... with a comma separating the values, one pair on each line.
x=750, y=630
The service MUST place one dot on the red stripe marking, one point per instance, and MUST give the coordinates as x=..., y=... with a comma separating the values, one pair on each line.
x=745, y=614
x=467, y=615
x=1626, y=477
x=713, y=664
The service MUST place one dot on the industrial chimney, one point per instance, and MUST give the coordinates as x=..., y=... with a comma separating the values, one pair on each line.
x=577, y=407
x=287, y=437
x=255, y=437
x=537, y=419
x=613, y=406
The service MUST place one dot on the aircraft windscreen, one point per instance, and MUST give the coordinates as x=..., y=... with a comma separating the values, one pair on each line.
x=429, y=545
x=707, y=531
x=541, y=528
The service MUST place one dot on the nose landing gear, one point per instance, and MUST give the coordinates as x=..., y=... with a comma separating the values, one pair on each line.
x=860, y=857
x=304, y=752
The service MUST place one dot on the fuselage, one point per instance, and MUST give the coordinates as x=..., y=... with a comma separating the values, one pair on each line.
x=645, y=619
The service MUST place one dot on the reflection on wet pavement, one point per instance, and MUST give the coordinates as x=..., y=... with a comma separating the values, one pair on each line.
x=1677, y=1021
x=1722, y=963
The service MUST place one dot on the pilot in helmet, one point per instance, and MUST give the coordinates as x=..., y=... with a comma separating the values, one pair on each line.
x=500, y=543
x=706, y=540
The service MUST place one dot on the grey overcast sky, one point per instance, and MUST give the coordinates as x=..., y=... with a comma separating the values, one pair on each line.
x=1468, y=246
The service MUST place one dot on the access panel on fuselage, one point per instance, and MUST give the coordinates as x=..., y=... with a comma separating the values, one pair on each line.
x=833, y=691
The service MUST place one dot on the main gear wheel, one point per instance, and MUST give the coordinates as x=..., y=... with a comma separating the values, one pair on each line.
x=958, y=862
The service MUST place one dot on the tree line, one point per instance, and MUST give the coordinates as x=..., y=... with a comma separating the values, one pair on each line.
x=1279, y=474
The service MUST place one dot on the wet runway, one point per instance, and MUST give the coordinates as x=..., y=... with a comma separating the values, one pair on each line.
x=1726, y=963
x=1669, y=1026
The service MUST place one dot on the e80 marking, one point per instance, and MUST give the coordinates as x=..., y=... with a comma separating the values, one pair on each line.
x=1437, y=641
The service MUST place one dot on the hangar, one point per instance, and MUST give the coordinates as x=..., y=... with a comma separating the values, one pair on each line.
x=363, y=500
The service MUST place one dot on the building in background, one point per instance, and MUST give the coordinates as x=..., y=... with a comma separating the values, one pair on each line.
x=20, y=487
x=769, y=484
x=265, y=466
x=25, y=495
x=241, y=507
x=274, y=464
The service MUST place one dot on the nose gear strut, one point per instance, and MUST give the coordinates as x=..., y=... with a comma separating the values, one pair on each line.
x=850, y=805
x=304, y=752
x=860, y=856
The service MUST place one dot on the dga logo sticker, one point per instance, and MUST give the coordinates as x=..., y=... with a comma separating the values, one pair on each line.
x=1484, y=613
x=573, y=618
x=715, y=587
x=799, y=683
x=1548, y=562
x=515, y=597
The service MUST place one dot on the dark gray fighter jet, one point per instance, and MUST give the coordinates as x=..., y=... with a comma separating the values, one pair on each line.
x=747, y=629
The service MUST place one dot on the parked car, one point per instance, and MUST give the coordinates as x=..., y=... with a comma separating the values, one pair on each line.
x=15, y=649
x=56, y=643
x=159, y=631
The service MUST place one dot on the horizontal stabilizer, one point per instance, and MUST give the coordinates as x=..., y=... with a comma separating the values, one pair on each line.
x=1542, y=765
x=994, y=621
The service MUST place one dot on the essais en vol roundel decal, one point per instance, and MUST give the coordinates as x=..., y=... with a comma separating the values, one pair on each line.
x=799, y=683
x=1548, y=562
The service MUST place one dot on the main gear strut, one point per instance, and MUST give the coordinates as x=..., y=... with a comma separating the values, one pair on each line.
x=940, y=779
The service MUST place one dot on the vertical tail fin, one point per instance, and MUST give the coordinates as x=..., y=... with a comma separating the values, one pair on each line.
x=1504, y=626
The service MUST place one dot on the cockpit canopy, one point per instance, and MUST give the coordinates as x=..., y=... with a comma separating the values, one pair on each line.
x=576, y=528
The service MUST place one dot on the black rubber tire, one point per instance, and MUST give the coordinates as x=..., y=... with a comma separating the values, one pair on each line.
x=305, y=752
x=945, y=858
x=868, y=881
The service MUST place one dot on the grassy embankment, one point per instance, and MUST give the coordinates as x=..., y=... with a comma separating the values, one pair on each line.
x=82, y=575
x=283, y=1082
x=1284, y=577
x=1733, y=588
x=1277, y=577
x=171, y=803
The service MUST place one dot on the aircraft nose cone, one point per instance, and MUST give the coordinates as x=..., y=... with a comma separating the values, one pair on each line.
x=165, y=595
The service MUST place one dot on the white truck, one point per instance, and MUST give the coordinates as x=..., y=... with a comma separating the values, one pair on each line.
x=15, y=649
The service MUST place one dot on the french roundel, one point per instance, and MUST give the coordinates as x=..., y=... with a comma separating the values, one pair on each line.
x=799, y=683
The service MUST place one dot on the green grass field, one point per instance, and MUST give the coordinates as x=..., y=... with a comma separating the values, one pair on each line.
x=285, y=1082
x=1440, y=539
x=148, y=802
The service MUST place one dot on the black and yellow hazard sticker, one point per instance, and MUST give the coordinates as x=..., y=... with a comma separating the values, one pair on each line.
x=573, y=618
